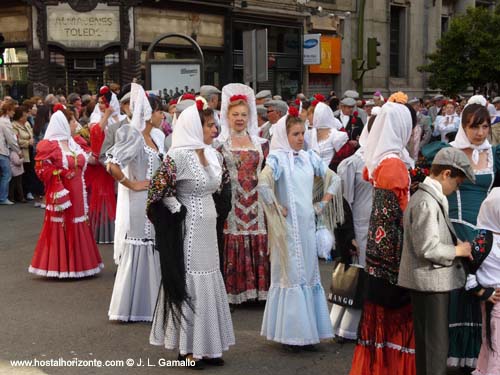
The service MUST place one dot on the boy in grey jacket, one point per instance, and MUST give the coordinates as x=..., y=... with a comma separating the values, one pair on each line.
x=430, y=262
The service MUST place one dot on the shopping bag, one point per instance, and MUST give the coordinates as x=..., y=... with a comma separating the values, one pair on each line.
x=347, y=284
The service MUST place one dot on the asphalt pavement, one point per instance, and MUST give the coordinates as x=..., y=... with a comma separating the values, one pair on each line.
x=61, y=326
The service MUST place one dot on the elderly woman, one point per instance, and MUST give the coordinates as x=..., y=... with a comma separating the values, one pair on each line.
x=25, y=138
x=192, y=313
x=245, y=259
x=66, y=248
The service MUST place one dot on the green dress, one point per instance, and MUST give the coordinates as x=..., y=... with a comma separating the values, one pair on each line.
x=464, y=309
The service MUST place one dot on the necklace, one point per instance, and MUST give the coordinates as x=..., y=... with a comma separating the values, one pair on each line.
x=237, y=134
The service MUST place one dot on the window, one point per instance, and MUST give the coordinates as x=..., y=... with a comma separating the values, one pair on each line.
x=445, y=21
x=398, y=43
x=14, y=74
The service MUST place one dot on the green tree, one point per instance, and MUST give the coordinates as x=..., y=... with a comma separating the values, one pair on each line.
x=468, y=54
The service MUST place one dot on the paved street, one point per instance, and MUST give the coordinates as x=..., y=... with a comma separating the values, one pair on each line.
x=50, y=319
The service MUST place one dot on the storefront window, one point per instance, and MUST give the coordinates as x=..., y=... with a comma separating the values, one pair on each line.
x=284, y=58
x=14, y=74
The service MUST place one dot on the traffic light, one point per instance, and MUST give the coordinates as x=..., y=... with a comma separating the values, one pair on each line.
x=357, y=69
x=2, y=49
x=373, y=53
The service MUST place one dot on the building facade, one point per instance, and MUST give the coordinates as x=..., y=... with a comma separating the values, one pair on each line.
x=78, y=45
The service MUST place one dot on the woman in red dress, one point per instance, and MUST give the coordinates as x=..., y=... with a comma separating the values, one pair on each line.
x=66, y=247
x=101, y=185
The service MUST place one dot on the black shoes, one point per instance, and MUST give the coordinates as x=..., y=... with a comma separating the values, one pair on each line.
x=214, y=361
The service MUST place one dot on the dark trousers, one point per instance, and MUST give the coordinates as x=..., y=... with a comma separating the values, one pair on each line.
x=16, y=189
x=430, y=321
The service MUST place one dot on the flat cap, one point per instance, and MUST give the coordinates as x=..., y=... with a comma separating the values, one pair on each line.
x=207, y=90
x=183, y=104
x=438, y=97
x=350, y=102
x=279, y=105
x=496, y=100
x=369, y=103
x=264, y=94
x=456, y=158
x=261, y=110
x=414, y=101
x=277, y=97
x=351, y=94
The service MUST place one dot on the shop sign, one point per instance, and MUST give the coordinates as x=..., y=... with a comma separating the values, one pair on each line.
x=312, y=49
x=83, y=30
x=175, y=79
x=331, y=56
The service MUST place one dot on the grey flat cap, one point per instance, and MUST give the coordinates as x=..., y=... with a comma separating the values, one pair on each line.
x=350, y=102
x=414, y=101
x=261, y=110
x=351, y=94
x=456, y=158
x=125, y=98
x=264, y=94
x=370, y=103
x=438, y=97
x=207, y=90
x=277, y=97
x=279, y=105
x=183, y=105
x=496, y=100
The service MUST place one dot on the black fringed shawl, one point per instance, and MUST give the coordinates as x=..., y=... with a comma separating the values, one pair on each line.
x=169, y=241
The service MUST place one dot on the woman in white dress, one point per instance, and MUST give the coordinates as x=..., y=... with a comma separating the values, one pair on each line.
x=132, y=161
x=325, y=137
x=192, y=313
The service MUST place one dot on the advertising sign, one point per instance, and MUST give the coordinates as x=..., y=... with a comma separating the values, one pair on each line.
x=312, y=49
x=331, y=56
x=176, y=79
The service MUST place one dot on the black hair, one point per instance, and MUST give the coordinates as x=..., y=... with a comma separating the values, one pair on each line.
x=370, y=122
x=413, y=114
x=154, y=102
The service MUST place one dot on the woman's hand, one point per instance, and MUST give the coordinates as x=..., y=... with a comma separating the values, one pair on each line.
x=355, y=251
x=495, y=297
x=139, y=185
x=31, y=142
x=284, y=211
x=92, y=160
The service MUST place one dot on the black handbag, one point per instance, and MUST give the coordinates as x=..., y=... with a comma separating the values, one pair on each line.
x=347, y=285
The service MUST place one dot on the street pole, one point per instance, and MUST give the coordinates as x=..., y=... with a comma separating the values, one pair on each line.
x=361, y=23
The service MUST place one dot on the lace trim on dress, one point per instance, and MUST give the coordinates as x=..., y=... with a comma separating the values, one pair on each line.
x=64, y=275
x=58, y=207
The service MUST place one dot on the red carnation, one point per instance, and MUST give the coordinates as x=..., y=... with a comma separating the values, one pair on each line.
x=319, y=97
x=199, y=105
x=172, y=102
x=238, y=97
x=188, y=97
x=353, y=120
x=293, y=112
x=315, y=103
x=355, y=114
x=58, y=107
x=104, y=90
x=297, y=102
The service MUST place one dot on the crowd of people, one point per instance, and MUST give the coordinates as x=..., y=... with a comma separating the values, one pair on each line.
x=227, y=197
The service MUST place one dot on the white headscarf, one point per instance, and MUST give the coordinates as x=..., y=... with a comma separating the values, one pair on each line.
x=59, y=130
x=280, y=145
x=461, y=141
x=252, y=127
x=188, y=135
x=390, y=134
x=489, y=213
x=325, y=119
x=139, y=106
x=96, y=115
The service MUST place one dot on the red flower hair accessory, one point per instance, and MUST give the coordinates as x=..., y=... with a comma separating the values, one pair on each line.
x=238, y=97
x=294, y=112
x=199, y=105
x=58, y=107
x=319, y=97
x=104, y=90
x=188, y=97
x=315, y=103
x=172, y=102
x=298, y=102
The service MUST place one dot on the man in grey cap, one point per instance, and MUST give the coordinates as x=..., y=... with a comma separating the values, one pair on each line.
x=435, y=109
x=211, y=95
x=261, y=115
x=361, y=112
x=351, y=123
x=263, y=96
x=423, y=121
x=276, y=109
x=431, y=265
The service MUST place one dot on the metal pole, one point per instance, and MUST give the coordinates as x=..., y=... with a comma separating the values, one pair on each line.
x=361, y=24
